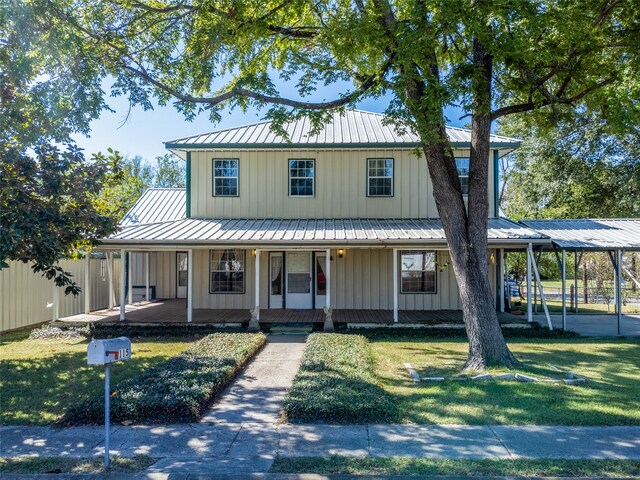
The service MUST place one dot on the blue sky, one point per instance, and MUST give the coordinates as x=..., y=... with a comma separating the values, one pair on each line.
x=144, y=131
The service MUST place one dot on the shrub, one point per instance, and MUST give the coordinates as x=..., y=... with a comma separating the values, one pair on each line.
x=51, y=332
x=177, y=390
x=336, y=383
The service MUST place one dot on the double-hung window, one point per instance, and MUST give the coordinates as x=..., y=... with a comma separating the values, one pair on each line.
x=418, y=271
x=302, y=177
x=225, y=177
x=462, y=164
x=226, y=271
x=380, y=177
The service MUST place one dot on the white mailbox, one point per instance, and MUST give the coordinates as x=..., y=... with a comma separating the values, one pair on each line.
x=110, y=350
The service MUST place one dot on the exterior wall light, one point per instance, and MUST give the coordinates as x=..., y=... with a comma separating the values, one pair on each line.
x=340, y=253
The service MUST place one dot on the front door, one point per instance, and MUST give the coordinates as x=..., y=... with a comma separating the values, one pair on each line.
x=276, y=272
x=182, y=274
x=321, y=280
x=298, y=280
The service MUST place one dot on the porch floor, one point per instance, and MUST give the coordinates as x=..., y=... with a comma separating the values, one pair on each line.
x=174, y=311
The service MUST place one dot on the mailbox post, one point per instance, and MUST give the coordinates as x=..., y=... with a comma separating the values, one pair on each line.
x=105, y=352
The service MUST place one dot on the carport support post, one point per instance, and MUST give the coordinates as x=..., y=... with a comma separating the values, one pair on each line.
x=501, y=279
x=110, y=275
x=529, y=256
x=123, y=256
x=190, y=285
x=564, y=289
x=56, y=303
x=395, y=284
x=619, y=286
x=146, y=276
x=87, y=283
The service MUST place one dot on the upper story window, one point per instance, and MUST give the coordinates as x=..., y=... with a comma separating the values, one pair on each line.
x=226, y=271
x=462, y=164
x=380, y=177
x=225, y=177
x=418, y=271
x=302, y=177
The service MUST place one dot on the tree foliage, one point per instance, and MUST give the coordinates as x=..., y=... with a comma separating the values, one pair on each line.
x=170, y=172
x=577, y=170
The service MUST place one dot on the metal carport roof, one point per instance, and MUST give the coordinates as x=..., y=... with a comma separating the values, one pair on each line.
x=590, y=234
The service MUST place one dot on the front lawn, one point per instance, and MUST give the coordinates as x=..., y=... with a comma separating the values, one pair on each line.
x=609, y=397
x=66, y=465
x=457, y=467
x=39, y=378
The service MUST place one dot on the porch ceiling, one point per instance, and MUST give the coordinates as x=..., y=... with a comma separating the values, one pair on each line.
x=321, y=232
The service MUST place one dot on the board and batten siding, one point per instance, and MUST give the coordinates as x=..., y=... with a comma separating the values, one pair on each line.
x=341, y=185
x=26, y=298
x=361, y=279
x=162, y=272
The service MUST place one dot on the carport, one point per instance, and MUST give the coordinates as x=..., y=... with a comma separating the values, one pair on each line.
x=613, y=236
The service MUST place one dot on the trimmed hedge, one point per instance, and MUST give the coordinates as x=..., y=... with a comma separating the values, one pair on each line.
x=336, y=383
x=177, y=390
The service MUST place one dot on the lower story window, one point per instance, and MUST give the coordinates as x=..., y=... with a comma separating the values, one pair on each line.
x=418, y=271
x=227, y=271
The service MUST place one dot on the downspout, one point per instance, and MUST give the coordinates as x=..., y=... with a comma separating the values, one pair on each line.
x=188, y=185
x=496, y=185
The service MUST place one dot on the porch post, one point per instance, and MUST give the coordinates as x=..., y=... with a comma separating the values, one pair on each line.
x=328, y=318
x=501, y=265
x=123, y=256
x=619, y=286
x=146, y=276
x=110, y=275
x=395, y=284
x=87, y=283
x=55, y=314
x=189, y=285
x=130, y=278
x=529, y=310
x=564, y=289
x=254, y=322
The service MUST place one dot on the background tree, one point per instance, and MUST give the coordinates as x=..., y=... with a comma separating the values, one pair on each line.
x=491, y=58
x=49, y=89
x=170, y=172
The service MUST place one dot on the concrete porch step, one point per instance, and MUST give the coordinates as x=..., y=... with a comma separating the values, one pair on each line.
x=291, y=328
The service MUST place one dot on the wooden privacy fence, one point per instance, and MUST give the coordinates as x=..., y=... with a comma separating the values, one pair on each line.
x=26, y=298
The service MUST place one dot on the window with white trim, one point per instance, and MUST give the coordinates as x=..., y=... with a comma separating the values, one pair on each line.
x=302, y=177
x=225, y=177
x=418, y=271
x=462, y=165
x=227, y=271
x=380, y=177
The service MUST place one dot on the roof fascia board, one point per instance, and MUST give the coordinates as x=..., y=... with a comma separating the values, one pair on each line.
x=333, y=146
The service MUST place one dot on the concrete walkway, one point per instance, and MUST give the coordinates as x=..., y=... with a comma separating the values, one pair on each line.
x=251, y=447
x=258, y=393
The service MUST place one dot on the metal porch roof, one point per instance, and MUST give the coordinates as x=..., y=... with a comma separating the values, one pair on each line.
x=157, y=205
x=590, y=234
x=374, y=232
x=352, y=128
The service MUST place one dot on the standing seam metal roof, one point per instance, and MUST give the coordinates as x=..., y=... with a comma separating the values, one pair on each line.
x=590, y=234
x=352, y=127
x=157, y=205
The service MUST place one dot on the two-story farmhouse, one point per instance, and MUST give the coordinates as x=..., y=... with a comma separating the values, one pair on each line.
x=340, y=226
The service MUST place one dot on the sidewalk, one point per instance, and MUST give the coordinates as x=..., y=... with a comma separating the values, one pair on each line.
x=251, y=447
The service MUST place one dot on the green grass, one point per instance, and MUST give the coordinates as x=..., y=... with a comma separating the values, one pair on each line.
x=177, y=390
x=610, y=397
x=40, y=378
x=336, y=383
x=424, y=466
x=65, y=465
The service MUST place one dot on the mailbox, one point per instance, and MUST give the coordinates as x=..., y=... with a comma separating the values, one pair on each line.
x=110, y=350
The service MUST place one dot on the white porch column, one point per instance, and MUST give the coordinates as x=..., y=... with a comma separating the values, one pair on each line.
x=395, y=284
x=327, y=274
x=123, y=256
x=564, y=289
x=130, y=278
x=55, y=314
x=254, y=322
x=190, y=285
x=529, y=306
x=619, y=286
x=87, y=282
x=502, y=265
x=112, y=299
x=146, y=276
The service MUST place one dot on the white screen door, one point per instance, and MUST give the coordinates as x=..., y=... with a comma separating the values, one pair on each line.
x=182, y=274
x=276, y=285
x=321, y=280
x=298, y=284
